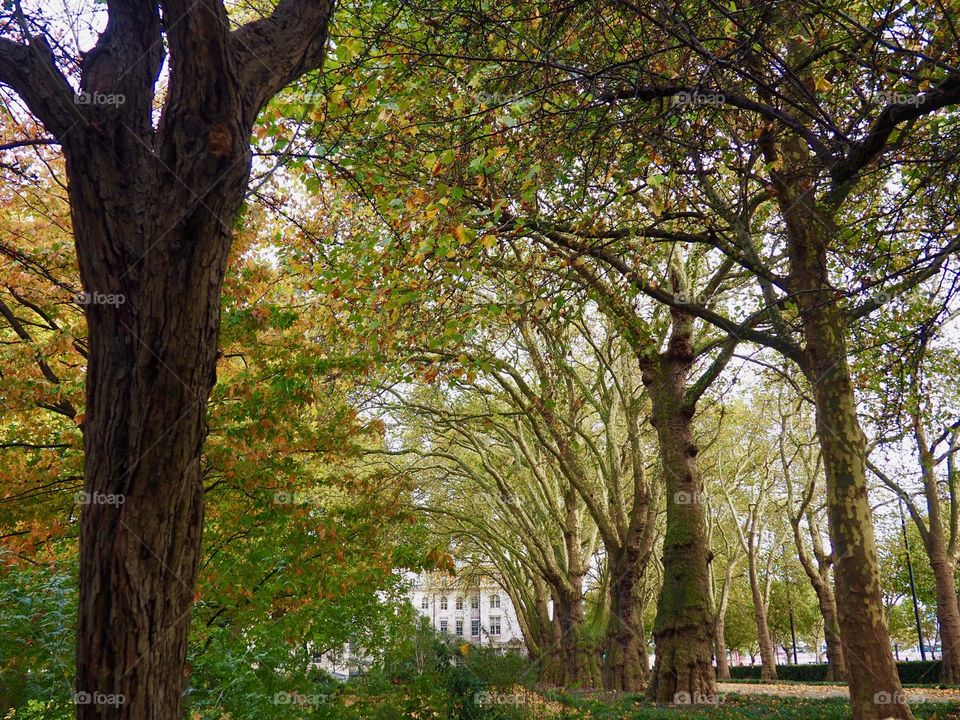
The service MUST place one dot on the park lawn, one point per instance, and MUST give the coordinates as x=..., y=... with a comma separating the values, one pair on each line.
x=733, y=707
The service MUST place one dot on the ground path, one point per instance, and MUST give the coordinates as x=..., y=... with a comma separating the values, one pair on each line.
x=800, y=690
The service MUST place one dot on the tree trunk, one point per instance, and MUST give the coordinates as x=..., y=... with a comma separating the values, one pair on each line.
x=875, y=690
x=624, y=666
x=720, y=643
x=836, y=668
x=719, y=625
x=948, y=612
x=152, y=364
x=768, y=660
x=819, y=575
x=153, y=205
x=574, y=659
x=683, y=631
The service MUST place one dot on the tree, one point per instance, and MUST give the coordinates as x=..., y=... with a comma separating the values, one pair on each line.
x=798, y=464
x=775, y=102
x=153, y=209
x=926, y=406
x=753, y=483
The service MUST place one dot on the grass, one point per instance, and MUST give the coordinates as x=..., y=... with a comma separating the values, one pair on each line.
x=733, y=707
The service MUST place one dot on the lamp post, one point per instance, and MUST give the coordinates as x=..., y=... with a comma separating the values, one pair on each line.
x=913, y=586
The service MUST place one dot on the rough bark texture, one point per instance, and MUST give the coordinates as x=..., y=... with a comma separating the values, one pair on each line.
x=683, y=631
x=875, y=689
x=625, y=662
x=152, y=212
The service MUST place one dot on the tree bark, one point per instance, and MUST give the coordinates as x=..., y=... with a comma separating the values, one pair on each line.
x=575, y=662
x=153, y=211
x=768, y=661
x=624, y=664
x=836, y=668
x=875, y=690
x=683, y=631
x=948, y=612
x=719, y=626
x=720, y=644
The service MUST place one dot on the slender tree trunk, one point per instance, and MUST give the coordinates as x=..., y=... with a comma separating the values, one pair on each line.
x=875, y=690
x=819, y=578
x=948, y=612
x=720, y=643
x=683, y=632
x=768, y=660
x=719, y=625
x=836, y=668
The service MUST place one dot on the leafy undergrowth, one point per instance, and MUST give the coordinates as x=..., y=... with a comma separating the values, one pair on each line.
x=732, y=707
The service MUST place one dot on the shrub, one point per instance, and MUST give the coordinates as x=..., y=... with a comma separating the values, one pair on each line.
x=911, y=673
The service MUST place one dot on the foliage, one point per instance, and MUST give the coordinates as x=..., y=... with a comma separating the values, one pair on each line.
x=911, y=673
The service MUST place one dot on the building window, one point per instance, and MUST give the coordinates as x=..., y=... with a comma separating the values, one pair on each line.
x=443, y=627
x=494, y=626
x=424, y=603
x=459, y=626
x=475, y=602
x=494, y=601
x=475, y=627
x=443, y=602
x=460, y=602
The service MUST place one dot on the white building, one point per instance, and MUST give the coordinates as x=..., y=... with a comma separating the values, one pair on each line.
x=476, y=609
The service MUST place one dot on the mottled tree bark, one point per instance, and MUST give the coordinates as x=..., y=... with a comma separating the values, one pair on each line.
x=948, y=612
x=875, y=689
x=683, y=631
x=624, y=666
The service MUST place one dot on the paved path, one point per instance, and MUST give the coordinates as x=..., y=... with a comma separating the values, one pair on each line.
x=799, y=690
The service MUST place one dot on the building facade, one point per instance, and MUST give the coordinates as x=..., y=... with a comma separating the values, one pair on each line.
x=475, y=609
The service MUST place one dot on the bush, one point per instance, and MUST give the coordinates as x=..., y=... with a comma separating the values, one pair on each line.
x=911, y=673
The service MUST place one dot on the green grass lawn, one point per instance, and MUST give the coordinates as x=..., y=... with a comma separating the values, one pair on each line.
x=734, y=707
